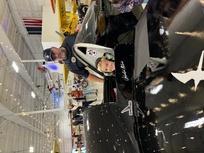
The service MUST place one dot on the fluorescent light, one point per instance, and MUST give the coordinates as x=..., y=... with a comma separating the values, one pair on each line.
x=31, y=149
x=33, y=94
x=15, y=67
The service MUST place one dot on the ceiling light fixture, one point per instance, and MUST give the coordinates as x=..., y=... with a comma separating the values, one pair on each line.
x=31, y=149
x=15, y=66
x=33, y=94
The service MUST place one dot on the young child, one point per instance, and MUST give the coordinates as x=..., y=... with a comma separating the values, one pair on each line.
x=105, y=65
x=122, y=65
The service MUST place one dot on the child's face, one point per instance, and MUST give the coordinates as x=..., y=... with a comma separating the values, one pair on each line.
x=107, y=66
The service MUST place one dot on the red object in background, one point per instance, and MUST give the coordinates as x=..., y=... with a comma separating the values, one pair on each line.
x=32, y=22
x=53, y=5
x=50, y=89
x=79, y=138
x=41, y=68
x=77, y=93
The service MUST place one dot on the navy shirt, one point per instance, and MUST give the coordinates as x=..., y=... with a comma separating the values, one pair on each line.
x=73, y=64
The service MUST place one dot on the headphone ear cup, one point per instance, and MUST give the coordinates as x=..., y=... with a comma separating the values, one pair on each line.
x=108, y=73
x=109, y=56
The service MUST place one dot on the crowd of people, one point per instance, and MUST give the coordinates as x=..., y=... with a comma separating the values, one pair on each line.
x=80, y=103
x=76, y=113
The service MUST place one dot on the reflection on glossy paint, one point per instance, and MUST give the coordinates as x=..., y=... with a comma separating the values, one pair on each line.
x=193, y=88
x=174, y=134
x=164, y=105
x=156, y=89
x=195, y=34
x=180, y=116
x=87, y=124
x=168, y=124
x=157, y=109
x=172, y=100
x=181, y=95
x=202, y=2
x=194, y=123
x=199, y=112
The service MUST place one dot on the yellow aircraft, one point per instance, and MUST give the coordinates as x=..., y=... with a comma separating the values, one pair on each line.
x=68, y=20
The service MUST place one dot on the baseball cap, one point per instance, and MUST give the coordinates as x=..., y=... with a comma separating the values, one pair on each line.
x=47, y=54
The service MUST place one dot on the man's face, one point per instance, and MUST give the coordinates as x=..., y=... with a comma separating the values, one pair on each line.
x=70, y=107
x=58, y=54
x=107, y=66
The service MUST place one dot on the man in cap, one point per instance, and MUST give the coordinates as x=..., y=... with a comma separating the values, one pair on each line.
x=65, y=55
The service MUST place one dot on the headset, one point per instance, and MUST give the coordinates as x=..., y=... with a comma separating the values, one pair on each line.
x=109, y=57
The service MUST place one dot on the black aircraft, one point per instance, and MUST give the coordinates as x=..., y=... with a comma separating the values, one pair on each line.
x=160, y=109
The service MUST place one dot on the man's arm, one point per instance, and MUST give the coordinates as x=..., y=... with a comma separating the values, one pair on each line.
x=94, y=78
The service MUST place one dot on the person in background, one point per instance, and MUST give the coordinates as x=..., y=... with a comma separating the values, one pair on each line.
x=76, y=135
x=125, y=5
x=82, y=93
x=75, y=123
x=79, y=99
